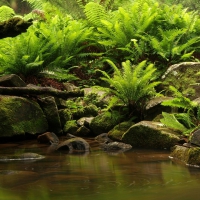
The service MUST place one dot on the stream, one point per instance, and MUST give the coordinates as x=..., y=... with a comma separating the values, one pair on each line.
x=136, y=174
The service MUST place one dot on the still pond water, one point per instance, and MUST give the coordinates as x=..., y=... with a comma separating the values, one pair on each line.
x=133, y=175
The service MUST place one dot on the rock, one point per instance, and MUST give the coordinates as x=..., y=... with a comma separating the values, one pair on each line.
x=116, y=146
x=179, y=75
x=48, y=137
x=103, y=138
x=96, y=96
x=117, y=132
x=22, y=157
x=70, y=87
x=13, y=27
x=147, y=134
x=70, y=127
x=154, y=108
x=86, y=111
x=50, y=110
x=74, y=145
x=188, y=156
x=104, y=122
x=12, y=80
x=19, y=115
x=82, y=132
x=195, y=138
x=65, y=116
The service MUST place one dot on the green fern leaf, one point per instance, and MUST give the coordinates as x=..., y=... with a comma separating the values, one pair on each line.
x=170, y=121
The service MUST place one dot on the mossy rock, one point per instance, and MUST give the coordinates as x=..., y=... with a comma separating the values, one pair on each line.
x=50, y=110
x=188, y=156
x=70, y=127
x=179, y=75
x=87, y=111
x=117, y=132
x=19, y=115
x=148, y=134
x=65, y=116
x=104, y=122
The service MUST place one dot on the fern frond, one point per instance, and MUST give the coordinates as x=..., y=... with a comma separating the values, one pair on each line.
x=170, y=121
x=6, y=13
x=36, y=4
x=179, y=101
x=95, y=13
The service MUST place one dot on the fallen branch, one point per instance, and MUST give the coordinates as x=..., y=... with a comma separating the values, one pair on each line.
x=20, y=91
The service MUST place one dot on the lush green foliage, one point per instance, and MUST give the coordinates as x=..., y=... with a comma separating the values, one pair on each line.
x=187, y=118
x=134, y=85
x=6, y=13
x=118, y=30
x=26, y=54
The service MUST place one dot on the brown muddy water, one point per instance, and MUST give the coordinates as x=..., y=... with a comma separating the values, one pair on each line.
x=133, y=175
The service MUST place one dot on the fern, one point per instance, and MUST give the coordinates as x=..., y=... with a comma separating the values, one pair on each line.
x=170, y=121
x=95, y=13
x=179, y=101
x=186, y=121
x=6, y=13
x=36, y=4
x=133, y=85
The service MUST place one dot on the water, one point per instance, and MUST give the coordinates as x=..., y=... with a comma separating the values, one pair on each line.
x=137, y=174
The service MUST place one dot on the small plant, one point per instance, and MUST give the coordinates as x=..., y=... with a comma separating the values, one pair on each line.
x=188, y=119
x=133, y=85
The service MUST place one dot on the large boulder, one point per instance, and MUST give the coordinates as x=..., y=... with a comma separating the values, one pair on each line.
x=189, y=156
x=148, y=134
x=19, y=115
x=179, y=75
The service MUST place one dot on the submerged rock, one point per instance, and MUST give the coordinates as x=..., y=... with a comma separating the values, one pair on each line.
x=116, y=146
x=22, y=157
x=48, y=137
x=74, y=145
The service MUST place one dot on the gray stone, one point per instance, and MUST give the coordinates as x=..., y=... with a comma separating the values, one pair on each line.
x=195, y=138
x=116, y=146
x=154, y=108
x=12, y=80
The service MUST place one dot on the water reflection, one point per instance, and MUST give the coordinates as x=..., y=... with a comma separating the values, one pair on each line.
x=137, y=174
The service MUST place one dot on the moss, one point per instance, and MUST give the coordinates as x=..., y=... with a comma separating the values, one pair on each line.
x=181, y=80
x=190, y=156
x=147, y=135
x=194, y=156
x=117, y=132
x=70, y=127
x=87, y=111
x=65, y=115
x=105, y=122
x=19, y=115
